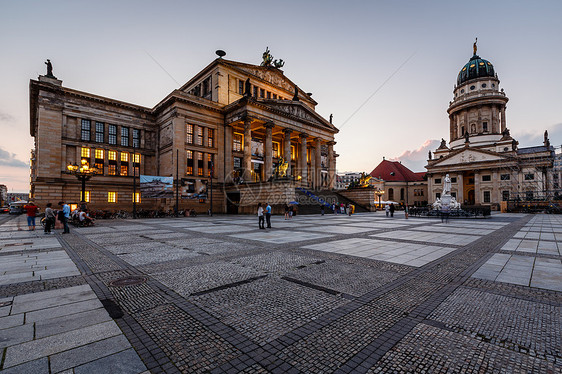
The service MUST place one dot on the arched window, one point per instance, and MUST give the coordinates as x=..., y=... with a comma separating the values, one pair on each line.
x=390, y=194
x=462, y=130
x=473, y=128
x=401, y=194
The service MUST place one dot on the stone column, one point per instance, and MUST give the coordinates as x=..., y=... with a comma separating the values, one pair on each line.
x=495, y=120
x=287, y=149
x=460, y=191
x=502, y=113
x=302, y=159
x=496, y=194
x=228, y=162
x=195, y=164
x=318, y=164
x=477, y=192
x=268, y=148
x=247, y=160
x=331, y=165
x=205, y=136
x=205, y=165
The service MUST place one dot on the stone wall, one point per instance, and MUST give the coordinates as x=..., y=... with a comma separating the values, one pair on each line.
x=277, y=194
x=364, y=196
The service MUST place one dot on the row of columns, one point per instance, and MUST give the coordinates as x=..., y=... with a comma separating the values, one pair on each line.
x=302, y=163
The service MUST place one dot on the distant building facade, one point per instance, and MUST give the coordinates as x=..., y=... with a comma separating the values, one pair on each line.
x=484, y=162
x=232, y=123
x=400, y=184
x=3, y=195
x=343, y=180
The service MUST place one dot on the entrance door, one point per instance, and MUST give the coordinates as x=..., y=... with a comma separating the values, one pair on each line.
x=232, y=202
x=470, y=197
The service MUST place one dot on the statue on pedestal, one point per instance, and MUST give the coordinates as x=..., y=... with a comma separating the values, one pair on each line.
x=447, y=185
x=49, y=69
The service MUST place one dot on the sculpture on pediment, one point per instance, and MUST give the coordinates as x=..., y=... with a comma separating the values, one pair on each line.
x=296, y=96
x=247, y=88
x=49, y=69
x=443, y=143
x=267, y=58
x=278, y=63
x=546, y=140
x=331, y=117
x=429, y=155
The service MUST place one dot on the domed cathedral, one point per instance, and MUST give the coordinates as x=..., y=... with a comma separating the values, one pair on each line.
x=483, y=160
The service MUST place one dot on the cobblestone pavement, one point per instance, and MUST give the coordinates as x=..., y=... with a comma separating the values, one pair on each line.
x=314, y=294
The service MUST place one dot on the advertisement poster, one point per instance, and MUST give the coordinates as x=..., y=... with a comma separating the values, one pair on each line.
x=152, y=186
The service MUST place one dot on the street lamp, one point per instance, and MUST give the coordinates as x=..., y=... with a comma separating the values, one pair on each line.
x=83, y=172
x=379, y=193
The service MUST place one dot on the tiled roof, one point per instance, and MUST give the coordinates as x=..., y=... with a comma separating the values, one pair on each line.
x=394, y=171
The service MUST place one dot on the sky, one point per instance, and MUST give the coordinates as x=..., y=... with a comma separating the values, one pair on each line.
x=384, y=69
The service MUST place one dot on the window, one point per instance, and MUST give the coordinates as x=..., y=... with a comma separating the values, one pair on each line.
x=293, y=153
x=112, y=132
x=124, y=170
x=86, y=196
x=99, y=154
x=237, y=142
x=437, y=180
x=275, y=96
x=136, y=163
x=86, y=128
x=136, y=158
x=505, y=195
x=262, y=93
x=529, y=177
x=136, y=197
x=390, y=194
x=189, y=129
x=125, y=136
x=199, y=135
x=454, y=180
x=486, y=196
x=85, y=152
x=112, y=169
x=112, y=197
x=200, y=164
x=209, y=165
x=486, y=178
x=268, y=95
x=437, y=195
x=255, y=92
x=124, y=157
x=112, y=155
x=454, y=194
x=401, y=194
x=505, y=177
x=207, y=86
x=485, y=126
x=100, y=127
x=189, y=169
x=275, y=149
x=462, y=130
x=241, y=87
x=529, y=195
x=136, y=138
x=484, y=85
x=210, y=138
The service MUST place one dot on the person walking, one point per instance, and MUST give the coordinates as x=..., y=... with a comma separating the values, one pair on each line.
x=49, y=219
x=268, y=215
x=64, y=216
x=287, y=211
x=322, y=209
x=31, y=210
x=387, y=210
x=260, y=217
x=392, y=210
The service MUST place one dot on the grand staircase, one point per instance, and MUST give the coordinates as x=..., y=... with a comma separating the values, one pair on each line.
x=310, y=202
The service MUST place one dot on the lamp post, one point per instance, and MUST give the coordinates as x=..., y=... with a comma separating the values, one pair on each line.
x=83, y=173
x=379, y=193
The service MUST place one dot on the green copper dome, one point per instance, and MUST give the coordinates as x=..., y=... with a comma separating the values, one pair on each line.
x=475, y=68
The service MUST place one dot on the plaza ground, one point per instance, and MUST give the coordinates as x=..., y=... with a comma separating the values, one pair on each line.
x=314, y=294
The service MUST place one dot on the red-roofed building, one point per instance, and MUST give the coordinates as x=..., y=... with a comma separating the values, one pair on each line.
x=400, y=184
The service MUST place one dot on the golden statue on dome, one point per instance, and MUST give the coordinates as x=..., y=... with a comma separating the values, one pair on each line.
x=474, y=47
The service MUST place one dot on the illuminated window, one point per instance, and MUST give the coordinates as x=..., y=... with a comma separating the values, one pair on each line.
x=292, y=152
x=112, y=169
x=112, y=132
x=136, y=158
x=124, y=157
x=275, y=149
x=124, y=136
x=209, y=164
x=112, y=155
x=86, y=127
x=99, y=154
x=86, y=196
x=210, y=138
x=124, y=170
x=200, y=164
x=112, y=197
x=85, y=152
x=189, y=169
x=199, y=135
x=237, y=142
x=100, y=127
x=189, y=128
x=136, y=197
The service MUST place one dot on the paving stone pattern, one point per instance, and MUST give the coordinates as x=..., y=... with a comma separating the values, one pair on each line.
x=314, y=294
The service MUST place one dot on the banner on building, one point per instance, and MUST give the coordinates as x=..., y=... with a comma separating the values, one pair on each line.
x=152, y=186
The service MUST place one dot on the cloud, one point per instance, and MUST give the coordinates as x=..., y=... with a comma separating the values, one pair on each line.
x=5, y=117
x=8, y=159
x=417, y=159
x=528, y=139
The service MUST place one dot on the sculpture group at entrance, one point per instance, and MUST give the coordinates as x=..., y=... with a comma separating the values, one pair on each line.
x=447, y=202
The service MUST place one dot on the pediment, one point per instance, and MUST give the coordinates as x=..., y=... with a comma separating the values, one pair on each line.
x=301, y=112
x=468, y=156
x=270, y=75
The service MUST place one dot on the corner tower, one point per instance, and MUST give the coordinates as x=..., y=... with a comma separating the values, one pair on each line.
x=477, y=112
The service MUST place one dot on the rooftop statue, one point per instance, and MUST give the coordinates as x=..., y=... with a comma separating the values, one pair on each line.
x=474, y=47
x=278, y=63
x=49, y=69
x=267, y=58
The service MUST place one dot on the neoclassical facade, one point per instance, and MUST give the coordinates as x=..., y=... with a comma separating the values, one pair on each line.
x=232, y=123
x=484, y=162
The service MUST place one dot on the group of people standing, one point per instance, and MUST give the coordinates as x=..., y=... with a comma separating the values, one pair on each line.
x=264, y=216
x=51, y=216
